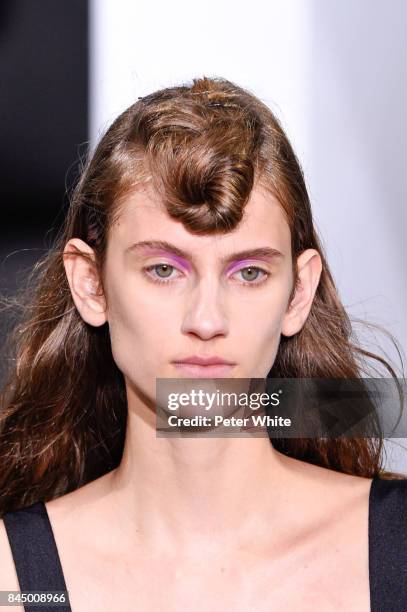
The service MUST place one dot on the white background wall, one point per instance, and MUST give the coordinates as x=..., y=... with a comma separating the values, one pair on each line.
x=335, y=72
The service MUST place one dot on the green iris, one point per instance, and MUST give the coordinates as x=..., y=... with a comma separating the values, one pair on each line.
x=249, y=272
x=167, y=270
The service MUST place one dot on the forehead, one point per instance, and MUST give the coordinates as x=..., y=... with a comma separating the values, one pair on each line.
x=143, y=216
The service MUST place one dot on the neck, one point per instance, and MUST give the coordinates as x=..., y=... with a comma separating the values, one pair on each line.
x=183, y=489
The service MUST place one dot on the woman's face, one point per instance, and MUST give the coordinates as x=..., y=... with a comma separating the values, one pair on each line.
x=171, y=295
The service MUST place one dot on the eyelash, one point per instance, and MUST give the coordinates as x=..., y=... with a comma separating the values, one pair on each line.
x=162, y=281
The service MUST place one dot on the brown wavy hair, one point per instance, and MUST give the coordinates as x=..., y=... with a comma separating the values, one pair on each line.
x=203, y=146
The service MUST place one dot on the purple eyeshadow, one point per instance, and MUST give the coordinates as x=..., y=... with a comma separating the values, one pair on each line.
x=185, y=265
x=240, y=264
x=179, y=260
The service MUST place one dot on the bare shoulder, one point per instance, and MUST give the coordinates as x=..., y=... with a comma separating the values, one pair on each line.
x=79, y=521
x=344, y=486
x=81, y=501
x=346, y=492
x=81, y=515
x=330, y=478
x=71, y=518
x=327, y=534
x=348, y=496
x=332, y=498
x=341, y=504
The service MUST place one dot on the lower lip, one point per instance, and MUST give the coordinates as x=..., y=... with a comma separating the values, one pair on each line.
x=193, y=370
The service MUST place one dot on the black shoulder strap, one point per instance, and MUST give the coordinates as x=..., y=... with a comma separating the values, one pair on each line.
x=35, y=553
x=388, y=545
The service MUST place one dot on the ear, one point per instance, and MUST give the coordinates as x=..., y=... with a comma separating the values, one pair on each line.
x=309, y=267
x=84, y=282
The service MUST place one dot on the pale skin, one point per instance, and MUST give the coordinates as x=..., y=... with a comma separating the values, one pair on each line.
x=218, y=523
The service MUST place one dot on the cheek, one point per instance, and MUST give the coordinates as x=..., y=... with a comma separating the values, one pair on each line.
x=264, y=311
x=269, y=338
x=126, y=318
x=138, y=324
x=259, y=322
x=265, y=344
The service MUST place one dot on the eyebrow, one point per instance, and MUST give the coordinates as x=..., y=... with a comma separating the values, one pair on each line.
x=265, y=252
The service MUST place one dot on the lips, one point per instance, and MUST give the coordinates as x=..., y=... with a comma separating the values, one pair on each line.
x=203, y=361
x=204, y=367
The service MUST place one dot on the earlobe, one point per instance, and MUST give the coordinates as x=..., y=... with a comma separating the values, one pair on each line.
x=81, y=271
x=309, y=268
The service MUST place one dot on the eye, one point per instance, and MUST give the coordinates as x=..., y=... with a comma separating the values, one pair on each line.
x=251, y=275
x=163, y=272
x=166, y=270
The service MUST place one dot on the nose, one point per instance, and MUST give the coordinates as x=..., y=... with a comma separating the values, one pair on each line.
x=205, y=315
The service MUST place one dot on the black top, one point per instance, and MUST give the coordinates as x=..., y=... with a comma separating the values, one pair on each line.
x=39, y=568
x=35, y=553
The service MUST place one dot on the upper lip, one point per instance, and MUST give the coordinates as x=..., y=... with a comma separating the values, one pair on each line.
x=204, y=361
